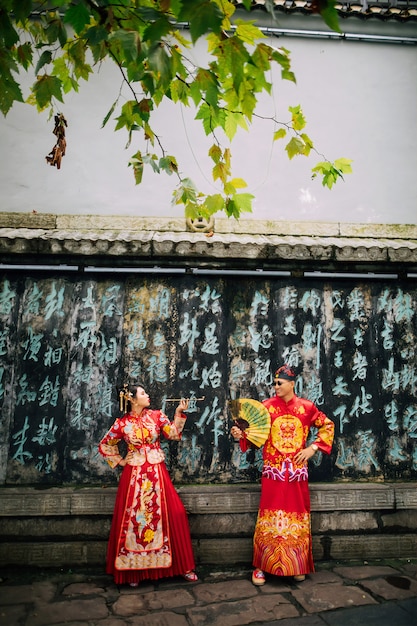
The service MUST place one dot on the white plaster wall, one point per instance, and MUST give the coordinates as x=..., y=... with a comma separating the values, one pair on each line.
x=360, y=102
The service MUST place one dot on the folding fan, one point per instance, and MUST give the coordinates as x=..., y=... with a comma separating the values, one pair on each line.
x=252, y=417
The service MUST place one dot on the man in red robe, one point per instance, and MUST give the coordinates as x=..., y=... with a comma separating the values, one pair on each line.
x=282, y=539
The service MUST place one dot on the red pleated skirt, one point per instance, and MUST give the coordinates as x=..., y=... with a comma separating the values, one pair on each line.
x=181, y=546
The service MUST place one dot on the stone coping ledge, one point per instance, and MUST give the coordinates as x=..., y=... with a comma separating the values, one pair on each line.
x=79, y=223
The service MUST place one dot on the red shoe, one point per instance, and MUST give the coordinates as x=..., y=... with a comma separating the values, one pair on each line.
x=190, y=576
x=258, y=577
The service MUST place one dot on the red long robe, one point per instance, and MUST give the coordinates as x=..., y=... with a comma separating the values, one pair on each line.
x=149, y=536
x=282, y=538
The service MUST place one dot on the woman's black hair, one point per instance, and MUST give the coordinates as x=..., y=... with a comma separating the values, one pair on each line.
x=127, y=392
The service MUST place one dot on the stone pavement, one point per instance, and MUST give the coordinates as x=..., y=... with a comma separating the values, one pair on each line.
x=382, y=593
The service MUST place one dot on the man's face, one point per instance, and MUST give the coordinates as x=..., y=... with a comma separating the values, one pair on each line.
x=284, y=388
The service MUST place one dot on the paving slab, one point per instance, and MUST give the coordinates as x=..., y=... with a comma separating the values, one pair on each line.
x=61, y=612
x=12, y=614
x=18, y=594
x=159, y=619
x=410, y=569
x=322, y=578
x=109, y=621
x=152, y=601
x=83, y=589
x=305, y=620
x=411, y=607
x=67, y=622
x=317, y=598
x=252, y=611
x=389, y=614
x=222, y=591
x=391, y=587
x=358, y=572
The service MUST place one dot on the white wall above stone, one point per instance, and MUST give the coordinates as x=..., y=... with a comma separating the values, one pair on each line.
x=359, y=99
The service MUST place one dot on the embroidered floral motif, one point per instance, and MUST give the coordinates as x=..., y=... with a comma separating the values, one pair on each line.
x=285, y=472
x=283, y=542
x=287, y=434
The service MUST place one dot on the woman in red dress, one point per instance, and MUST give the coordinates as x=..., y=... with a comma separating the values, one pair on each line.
x=150, y=536
x=282, y=540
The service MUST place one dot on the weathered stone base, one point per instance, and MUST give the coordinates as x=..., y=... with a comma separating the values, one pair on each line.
x=68, y=526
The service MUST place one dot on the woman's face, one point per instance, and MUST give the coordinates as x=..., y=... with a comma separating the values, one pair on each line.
x=141, y=398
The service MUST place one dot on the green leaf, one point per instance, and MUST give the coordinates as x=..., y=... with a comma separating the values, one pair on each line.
x=76, y=53
x=288, y=75
x=169, y=165
x=44, y=59
x=280, y=134
x=22, y=9
x=195, y=92
x=192, y=210
x=129, y=42
x=208, y=85
x=229, y=189
x=160, y=64
x=282, y=57
x=215, y=153
x=24, y=55
x=220, y=171
x=77, y=16
x=136, y=162
x=261, y=57
x=308, y=144
x=129, y=116
x=248, y=32
x=202, y=16
x=232, y=56
x=294, y=147
x=237, y=204
x=56, y=30
x=9, y=92
x=152, y=160
x=45, y=89
x=244, y=202
x=231, y=124
x=298, y=120
x=248, y=102
x=239, y=183
x=213, y=204
x=212, y=118
x=330, y=16
x=344, y=165
x=7, y=33
x=95, y=35
x=156, y=30
x=231, y=209
x=328, y=172
x=186, y=192
x=331, y=172
x=234, y=119
x=62, y=72
x=109, y=114
x=179, y=91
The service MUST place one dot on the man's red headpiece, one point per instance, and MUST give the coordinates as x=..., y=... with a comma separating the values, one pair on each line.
x=285, y=372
